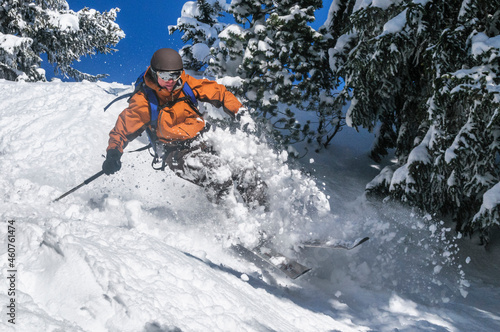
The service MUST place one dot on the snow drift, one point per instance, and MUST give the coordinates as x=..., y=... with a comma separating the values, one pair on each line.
x=145, y=251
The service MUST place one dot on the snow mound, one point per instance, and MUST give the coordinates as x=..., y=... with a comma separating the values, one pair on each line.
x=125, y=252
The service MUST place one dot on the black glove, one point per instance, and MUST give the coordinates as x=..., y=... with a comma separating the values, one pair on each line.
x=112, y=163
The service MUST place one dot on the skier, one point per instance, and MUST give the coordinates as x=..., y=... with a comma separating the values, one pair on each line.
x=179, y=128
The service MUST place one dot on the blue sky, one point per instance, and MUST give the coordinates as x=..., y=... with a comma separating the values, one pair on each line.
x=145, y=24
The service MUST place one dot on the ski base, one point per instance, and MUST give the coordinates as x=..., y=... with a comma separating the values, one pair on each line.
x=334, y=244
x=269, y=256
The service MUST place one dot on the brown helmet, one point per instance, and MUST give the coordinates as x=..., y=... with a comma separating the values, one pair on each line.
x=166, y=59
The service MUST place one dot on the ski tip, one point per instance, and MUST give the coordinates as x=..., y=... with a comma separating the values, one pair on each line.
x=363, y=240
x=297, y=275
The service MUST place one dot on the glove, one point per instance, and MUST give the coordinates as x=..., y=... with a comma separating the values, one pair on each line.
x=112, y=163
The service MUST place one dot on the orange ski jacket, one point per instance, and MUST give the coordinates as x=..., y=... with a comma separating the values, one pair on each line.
x=178, y=122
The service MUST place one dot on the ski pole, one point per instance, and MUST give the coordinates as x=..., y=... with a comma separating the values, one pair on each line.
x=90, y=179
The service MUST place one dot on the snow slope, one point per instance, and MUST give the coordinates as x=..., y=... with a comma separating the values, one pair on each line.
x=145, y=251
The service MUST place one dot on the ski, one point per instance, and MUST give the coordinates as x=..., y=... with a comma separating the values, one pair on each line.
x=271, y=257
x=264, y=255
x=334, y=244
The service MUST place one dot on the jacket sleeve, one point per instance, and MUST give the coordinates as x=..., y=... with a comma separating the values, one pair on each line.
x=215, y=94
x=130, y=123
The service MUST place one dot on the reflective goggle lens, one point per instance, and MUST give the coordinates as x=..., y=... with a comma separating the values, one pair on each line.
x=169, y=75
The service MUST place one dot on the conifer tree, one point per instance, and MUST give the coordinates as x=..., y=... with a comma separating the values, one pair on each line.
x=31, y=28
x=424, y=76
x=270, y=56
x=200, y=26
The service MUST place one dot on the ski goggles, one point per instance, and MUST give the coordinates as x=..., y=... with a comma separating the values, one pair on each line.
x=169, y=75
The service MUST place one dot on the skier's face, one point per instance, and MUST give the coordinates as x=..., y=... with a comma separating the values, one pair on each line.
x=167, y=79
x=169, y=85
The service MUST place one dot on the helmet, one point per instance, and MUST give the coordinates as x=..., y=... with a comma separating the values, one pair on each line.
x=166, y=59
